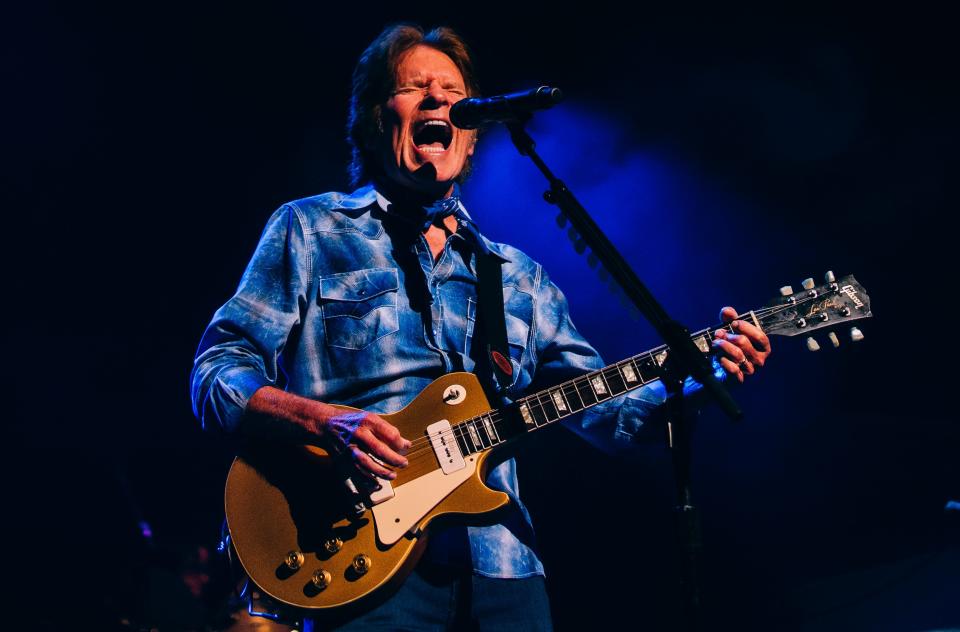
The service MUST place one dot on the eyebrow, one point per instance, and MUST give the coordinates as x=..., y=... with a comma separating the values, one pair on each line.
x=444, y=79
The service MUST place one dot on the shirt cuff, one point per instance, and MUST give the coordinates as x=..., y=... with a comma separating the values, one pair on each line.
x=232, y=389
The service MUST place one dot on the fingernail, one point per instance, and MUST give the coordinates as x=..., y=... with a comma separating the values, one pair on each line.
x=405, y=463
x=736, y=324
x=392, y=475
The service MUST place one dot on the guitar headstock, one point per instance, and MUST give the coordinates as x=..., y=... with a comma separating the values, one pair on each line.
x=817, y=307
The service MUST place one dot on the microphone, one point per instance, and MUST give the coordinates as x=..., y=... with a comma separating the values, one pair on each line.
x=507, y=108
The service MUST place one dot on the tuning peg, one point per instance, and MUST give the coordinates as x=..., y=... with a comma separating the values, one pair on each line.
x=808, y=284
x=812, y=344
x=833, y=339
x=829, y=278
x=592, y=260
x=855, y=334
x=561, y=220
x=786, y=290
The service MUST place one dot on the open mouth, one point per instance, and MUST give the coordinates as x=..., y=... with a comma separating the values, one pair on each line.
x=432, y=136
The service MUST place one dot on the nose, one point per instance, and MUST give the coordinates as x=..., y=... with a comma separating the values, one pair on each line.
x=436, y=96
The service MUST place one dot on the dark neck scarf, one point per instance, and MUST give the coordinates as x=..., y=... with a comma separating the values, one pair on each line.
x=423, y=216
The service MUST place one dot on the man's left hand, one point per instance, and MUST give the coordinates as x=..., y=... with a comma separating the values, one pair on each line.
x=744, y=350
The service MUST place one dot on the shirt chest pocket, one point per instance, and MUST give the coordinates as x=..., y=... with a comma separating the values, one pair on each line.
x=359, y=308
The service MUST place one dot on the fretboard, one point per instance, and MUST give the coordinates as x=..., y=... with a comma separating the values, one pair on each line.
x=545, y=407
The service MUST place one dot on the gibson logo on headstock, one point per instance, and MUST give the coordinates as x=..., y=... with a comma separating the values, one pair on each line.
x=850, y=291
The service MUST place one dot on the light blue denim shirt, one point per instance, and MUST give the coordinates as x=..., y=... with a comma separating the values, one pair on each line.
x=344, y=304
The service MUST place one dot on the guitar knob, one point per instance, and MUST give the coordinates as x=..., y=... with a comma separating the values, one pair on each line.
x=812, y=344
x=808, y=284
x=786, y=290
x=333, y=545
x=829, y=278
x=361, y=564
x=855, y=334
x=833, y=339
x=294, y=560
x=321, y=579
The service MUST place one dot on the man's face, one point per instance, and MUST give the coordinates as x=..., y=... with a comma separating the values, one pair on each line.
x=421, y=149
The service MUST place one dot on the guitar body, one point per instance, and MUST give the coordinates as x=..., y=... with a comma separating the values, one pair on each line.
x=283, y=500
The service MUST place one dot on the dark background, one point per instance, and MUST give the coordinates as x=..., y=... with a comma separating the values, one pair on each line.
x=727, y=153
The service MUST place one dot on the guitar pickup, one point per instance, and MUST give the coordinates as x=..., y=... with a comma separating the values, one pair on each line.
x=445, y=446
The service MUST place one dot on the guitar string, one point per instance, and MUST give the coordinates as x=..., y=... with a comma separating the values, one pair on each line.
x=570, y=387
x=424, y=444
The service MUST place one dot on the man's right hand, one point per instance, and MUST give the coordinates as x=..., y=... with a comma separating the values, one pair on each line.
x=365, y=434
x=275, y=414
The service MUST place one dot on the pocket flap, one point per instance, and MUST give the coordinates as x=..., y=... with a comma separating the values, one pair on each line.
x=359, y=285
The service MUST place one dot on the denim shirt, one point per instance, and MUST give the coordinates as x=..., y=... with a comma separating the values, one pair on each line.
x=343, y=303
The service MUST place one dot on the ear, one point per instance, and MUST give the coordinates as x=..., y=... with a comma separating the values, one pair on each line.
x=473, y=144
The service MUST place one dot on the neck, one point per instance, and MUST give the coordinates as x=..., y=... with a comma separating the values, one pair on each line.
x=405, y=197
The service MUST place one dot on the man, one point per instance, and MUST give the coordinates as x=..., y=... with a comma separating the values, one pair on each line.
x=364, y=299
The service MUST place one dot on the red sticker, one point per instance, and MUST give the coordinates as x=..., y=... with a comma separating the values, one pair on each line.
x=502, y=362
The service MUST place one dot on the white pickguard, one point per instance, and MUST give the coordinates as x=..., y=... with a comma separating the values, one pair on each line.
x=414, y=499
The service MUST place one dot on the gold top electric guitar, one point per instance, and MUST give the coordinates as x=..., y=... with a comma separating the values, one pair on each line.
x=304, y=545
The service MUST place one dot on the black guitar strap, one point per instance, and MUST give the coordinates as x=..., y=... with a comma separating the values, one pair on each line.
x=490, y=313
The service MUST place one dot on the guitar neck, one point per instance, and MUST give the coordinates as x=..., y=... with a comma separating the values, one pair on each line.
x=817, y=308
x=550, y=405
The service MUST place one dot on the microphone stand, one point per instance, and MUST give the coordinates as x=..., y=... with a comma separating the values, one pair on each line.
x=684, y=359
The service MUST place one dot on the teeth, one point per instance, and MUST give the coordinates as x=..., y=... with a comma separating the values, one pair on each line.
x=435, y=122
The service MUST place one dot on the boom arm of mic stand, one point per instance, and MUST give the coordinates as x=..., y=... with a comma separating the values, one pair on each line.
x=684, y=352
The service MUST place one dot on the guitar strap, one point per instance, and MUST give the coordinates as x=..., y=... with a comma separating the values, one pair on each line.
x=490, y=313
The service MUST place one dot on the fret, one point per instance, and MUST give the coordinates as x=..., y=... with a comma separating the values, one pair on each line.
x=649, y=371
x=537, y=412
x=559, y=401
x=629, y=375
x=549, y=409
x=571, y=387
x=475, y=435
x=461, y=440
x=485, y=437
x=660, y=357
x=703, y=343
x=584, y=390
x=471, y=445
x=527, y=417
x=491, y=429
x=599, y=386
x=615, y=381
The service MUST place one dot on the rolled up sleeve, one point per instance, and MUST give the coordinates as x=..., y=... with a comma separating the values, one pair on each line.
x=240, y=349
